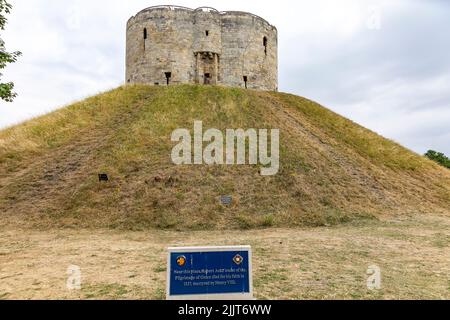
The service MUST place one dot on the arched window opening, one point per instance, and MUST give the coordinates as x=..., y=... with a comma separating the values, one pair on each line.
x=207, y=78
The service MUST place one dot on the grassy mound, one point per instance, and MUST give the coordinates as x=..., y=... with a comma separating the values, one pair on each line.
x=331, y=169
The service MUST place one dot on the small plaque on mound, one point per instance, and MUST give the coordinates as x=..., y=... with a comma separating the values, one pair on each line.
x=226, y=200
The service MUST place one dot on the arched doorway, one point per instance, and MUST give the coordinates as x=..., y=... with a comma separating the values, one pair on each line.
x=207, y=68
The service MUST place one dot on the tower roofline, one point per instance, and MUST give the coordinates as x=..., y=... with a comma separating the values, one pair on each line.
x=204, y=9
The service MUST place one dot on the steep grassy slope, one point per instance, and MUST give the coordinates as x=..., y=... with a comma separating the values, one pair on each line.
x=332, y=170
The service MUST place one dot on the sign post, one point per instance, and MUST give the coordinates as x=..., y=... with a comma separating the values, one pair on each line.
x=209, y=273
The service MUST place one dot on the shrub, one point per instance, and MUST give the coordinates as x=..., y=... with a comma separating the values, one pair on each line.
x=438, y=157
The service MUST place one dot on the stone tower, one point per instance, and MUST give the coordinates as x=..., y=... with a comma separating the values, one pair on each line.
x=173, y=45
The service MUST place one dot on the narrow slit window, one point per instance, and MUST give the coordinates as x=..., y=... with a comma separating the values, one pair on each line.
x=207, y=33
x=145, y=34
x=245, y=81
x=168, y=76
x=265, y=45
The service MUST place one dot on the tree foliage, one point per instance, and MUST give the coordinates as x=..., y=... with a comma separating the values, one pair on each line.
x=6, y=89
x=438, y=157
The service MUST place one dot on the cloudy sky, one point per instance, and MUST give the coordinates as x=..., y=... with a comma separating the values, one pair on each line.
x=383, y=64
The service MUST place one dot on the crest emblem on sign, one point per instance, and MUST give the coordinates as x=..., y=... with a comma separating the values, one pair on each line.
x=238, y=259
x=181, y=261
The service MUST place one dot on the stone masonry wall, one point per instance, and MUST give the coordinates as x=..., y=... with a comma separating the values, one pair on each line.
x=168, y=44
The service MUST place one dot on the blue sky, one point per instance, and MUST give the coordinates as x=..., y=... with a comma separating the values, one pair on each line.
x=383, y=64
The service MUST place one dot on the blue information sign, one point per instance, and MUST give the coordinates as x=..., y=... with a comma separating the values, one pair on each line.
x=196, y=272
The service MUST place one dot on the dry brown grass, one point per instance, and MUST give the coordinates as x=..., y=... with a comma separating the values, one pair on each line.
x=332, y=170
x=413, y=253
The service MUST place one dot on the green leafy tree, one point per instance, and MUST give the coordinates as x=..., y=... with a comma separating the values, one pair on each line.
x=6, y=89
x=438, y=157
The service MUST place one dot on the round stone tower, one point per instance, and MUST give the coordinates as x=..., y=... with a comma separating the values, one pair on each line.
x=172, y=45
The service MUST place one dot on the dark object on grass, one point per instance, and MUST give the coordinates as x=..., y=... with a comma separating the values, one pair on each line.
x=103, y=177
